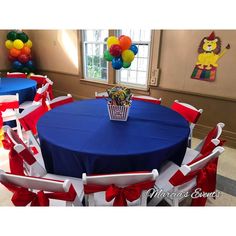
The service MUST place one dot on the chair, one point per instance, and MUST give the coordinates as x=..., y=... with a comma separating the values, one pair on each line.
x=101, y=95
x=118, y=189
x=147, y=99
x=23, y=162
x=11, y=139
x=28, y=119
x=37, y=191
x=41, y=81
x=40, y=96
x=16, y=75
x=211, y=141
x=177, y=182
x=59, y=101
x=190, y=113
x=9, y=109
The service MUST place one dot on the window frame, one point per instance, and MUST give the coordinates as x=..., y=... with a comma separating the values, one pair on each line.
x=84, y=42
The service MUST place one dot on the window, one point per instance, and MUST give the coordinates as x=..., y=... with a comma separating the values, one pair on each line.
x=137, y=74
x=96, y=68
x=94, y=44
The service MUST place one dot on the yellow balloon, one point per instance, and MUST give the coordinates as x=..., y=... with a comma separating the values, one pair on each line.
x=127, y=56
x=9, y=44
x=18, y=44
x=29, y=44
x=1, y=136
x=30, y=74
x=112, y=40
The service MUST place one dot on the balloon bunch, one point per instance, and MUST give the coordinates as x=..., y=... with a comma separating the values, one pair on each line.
x=19, y=46
x=121, y=51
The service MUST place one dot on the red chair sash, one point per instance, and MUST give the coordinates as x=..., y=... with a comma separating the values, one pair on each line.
x=7, y=105
x=22, y=196
x=120, y=195
x=16, y=160
x=27, y=157
x=16, y=163
x=206, y=180
x=50, y=93
x=189, y=114
x=16, y=75
x=62, y=102
x=41, y=80
x=41, y=97
x=29, y=122
x=208, y=146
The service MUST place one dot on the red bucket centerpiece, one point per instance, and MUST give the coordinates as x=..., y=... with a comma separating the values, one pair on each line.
x=119, y=102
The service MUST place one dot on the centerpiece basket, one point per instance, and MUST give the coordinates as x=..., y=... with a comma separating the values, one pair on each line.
x=119, y=103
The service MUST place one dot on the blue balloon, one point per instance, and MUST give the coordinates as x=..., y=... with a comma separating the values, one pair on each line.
x=17, y=65
x=134, y=49
x=117, y=63
x=30, y=64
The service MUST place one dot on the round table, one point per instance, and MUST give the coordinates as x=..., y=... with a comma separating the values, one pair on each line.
x=26, y=88
x=79, y=137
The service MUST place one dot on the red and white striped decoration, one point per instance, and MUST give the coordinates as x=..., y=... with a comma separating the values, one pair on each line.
x=119, y=113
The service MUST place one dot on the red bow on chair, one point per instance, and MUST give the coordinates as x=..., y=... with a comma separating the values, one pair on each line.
x=121, y=195
x=206, y=180
x=22, y=196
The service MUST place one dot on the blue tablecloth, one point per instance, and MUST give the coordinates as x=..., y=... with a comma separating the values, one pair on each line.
x=25, y=87
x=79, y=137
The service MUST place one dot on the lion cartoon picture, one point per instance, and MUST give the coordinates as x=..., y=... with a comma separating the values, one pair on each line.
x=209, y=53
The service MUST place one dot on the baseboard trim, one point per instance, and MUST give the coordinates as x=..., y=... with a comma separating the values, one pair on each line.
x=63, y=93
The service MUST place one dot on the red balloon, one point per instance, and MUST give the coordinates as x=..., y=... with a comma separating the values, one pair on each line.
x=30, y=57
x=25, y=50
x=115, y=50
x=23, y=58
x=11, y=58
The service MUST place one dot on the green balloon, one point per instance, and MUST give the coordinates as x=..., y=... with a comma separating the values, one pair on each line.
x=12, y=35
x=107, y=55
x=126, y=64
x=23, y=37
x=25, y=70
